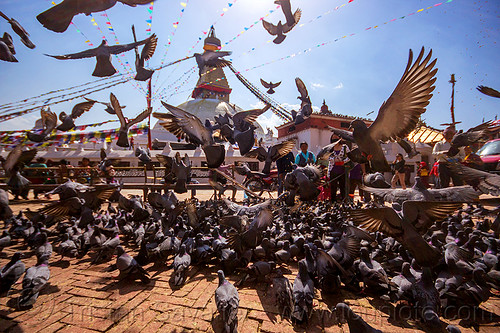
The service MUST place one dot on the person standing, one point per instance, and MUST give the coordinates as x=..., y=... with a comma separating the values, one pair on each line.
x=337, y=171
x=399, y=172
x=440, y=152
x=284, y=166
x=356, y=180
x=423, y=173
x=305, y=157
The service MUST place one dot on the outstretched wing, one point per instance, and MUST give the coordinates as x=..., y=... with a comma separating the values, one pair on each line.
x=80, y=108
x=296, y=16
x=49, y=120
x=384, y=219
x=117, y=49
x=422, y=214
x=281, y=149
x=143, y=115
x=398, y=115
x=191, y=125
x=389, y=194
x=265, y=84
x=271, y=28
x=149, y=48
x=80, y=55
x=489, y=91
x=118, y=109
x=249, y=116
x=486, y=182
x=301, y=87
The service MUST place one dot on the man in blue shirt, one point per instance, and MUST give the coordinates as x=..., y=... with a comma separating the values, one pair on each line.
x=304, y=157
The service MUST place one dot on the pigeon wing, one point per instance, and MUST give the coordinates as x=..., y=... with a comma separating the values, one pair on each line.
x=301, y=87
x=486, y=182
x=116, y=106
x=281, y=149
x=265, y=84
x=296, y=16
x=149, y=48
x=143, y=115
x=80, y=108
x=49, y=120
x=271, y=28
x=457, y=193
x=249, y=116
x=134, y=3
x=489, y=91
x=191, y=125
x=398, y=116
x=384, y=219
x=422, y=214
x=389, y=194
x=117, y=49
x=80, y=55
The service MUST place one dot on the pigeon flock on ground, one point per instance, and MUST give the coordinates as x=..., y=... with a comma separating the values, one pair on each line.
x=424, y=253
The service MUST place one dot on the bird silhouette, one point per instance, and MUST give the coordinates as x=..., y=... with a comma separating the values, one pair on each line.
x=270, y=86
x=48, y=123
x=147, y=52
x=489, y=91
x=109, y=108
x=280, y=29
x=211, y=58
x=103, y=53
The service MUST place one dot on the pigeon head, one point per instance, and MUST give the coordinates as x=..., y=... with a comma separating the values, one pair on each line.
x=221, y=276
x=358, y=125
x=343, y=311
x=120, y=250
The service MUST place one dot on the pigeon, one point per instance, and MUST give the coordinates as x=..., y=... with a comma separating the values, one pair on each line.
x=427, y=301
x=68, y=121
x=283, y=292
x=19, y=30
x=250, y=238
x=397, y=116
x=181, y=263
x=15, y=161
x=10, y=273
x=59, y=17
x=487, y=183
x=281, y=29
x=227, y=301
x=181, y=168
x=246, y=210
x=129, y=268
x=147, y=52
x=126, y=124
x=372, y=273
x=420, y=192
x=7, y=39
x=355, y=322
x=103, y=53
x=305, y=105
x=5, y=240
x=415, y=215
x=6, y=53
x=376, y=180
x=34, y=281
x=303, y=295
x=109, y=108
x=489, y=91
x=304, y=182
x=188, y=126
x=143, y=154
x=212, y=59
x=69, y=189
x=270, y=86
x=49, y=123
x=272, y=154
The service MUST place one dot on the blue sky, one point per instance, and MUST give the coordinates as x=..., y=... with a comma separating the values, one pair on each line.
x=354, y=74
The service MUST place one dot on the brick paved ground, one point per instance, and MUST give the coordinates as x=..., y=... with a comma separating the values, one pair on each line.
x=84, y=298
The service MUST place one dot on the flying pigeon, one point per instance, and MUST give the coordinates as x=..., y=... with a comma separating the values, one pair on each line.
x=68, y=121
x=227, y=302
x=487, y=183
x=489, y=91
x=5, y=210
x=103, y=53
x=143, y=154
x=211, y=58
x=125, y=124
x=272, y=154
x=6, y=52
x=147, y=52
x=109, y=108
x=281, y=29
x=305, y=104
x=408, y=147
x=59, y=17
x=270, y=86
x=480, y=133
x=397, y=116
x=49, y=123
x=19, y=30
